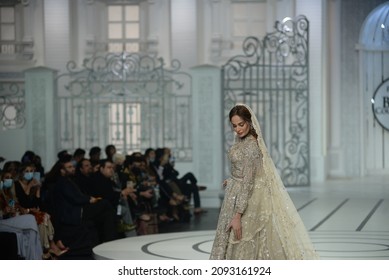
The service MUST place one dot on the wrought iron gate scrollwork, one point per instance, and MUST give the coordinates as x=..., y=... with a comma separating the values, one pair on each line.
x=12, y=105
x=271, y=76
x=130, y=100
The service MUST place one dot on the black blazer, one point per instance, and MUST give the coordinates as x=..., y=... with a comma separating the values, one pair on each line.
x=68, y=202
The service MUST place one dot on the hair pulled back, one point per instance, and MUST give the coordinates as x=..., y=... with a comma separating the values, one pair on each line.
x=242, y=112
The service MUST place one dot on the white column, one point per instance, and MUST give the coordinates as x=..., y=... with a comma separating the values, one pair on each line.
x=207, y=130
x=40, y=108
x=315, y=13
x=335, y=152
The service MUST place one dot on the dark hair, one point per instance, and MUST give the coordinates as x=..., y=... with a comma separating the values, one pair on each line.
x=64, y=159
x=24, y=166
x=104, y=162
x=80, y=164
x=129, y=160
x=11, y=166
x=244, y=113
x=159, y=152
x=27, y=157
x=148, y=151
x=62, y=154
x=108, y=148
x=79, y=152
x=94, y=150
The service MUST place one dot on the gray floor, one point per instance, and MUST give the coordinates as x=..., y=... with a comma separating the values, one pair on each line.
x=346, y=219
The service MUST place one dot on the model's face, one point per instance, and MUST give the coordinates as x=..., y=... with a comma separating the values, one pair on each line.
x=240, y=126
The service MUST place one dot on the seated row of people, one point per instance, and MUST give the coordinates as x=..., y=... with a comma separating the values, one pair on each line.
x=83, y=202
x=20, y=194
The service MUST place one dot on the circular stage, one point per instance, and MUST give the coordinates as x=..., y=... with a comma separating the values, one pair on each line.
x=193, y=245
x=196, y=245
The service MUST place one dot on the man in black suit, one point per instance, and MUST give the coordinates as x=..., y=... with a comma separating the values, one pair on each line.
x=80, y=217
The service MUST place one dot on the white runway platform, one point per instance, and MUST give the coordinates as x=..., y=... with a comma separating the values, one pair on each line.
x=346, y=219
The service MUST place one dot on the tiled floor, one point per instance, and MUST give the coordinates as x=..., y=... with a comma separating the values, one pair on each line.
x=346, y=219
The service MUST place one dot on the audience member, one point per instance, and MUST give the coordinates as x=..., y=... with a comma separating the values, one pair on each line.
x=110, y=150
x=78, y=155
x=94, y=155
x=27, y=190
x=83, y=220
x=100, y=199
x=187, y=183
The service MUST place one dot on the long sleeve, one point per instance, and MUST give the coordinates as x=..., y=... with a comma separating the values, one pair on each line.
x=250, y=165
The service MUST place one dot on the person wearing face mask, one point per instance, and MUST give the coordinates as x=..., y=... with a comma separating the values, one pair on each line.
x=28, y=194
x=15, y=220
x=9, y=204
x=12, y=220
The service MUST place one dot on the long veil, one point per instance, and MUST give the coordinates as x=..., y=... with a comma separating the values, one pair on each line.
x=273, y=208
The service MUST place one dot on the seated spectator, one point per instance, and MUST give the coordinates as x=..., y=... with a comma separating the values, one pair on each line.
x=83, y=176
x=28, y=157
x=83, y=221
x=94, y=155
x=51, y=179
x=171, y=195
x=110, y=150
x=27, y=190
x=37, y=161
x=61, y=154
x=187, y=183
x=106, y=188
x=78, y=155
x=126, y=223
x=12, y=167
x=141, y=197
x=148, y=182
x=13, y=220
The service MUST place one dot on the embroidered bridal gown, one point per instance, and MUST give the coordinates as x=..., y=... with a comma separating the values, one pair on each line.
x=271, y=226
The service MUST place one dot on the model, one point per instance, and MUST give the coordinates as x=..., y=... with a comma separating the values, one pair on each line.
x=257, y=220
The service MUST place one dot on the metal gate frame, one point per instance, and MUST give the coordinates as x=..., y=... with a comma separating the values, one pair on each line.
x=272, y=77
x=130, y=100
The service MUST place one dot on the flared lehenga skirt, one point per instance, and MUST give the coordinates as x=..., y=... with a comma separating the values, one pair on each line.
x=271, y=227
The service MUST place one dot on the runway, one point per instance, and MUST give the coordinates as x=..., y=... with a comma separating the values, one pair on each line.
x=346, y=219
x=197, y=245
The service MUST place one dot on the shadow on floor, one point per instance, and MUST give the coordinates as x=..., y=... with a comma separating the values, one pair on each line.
x=205, y=221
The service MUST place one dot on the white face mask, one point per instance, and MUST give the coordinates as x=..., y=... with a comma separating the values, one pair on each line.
x=7, y=183
x=28, y=176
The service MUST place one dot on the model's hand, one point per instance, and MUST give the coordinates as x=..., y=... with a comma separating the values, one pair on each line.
x=236, y=226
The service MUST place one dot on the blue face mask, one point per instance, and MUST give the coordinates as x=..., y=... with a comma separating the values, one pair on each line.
x=28, y=176
x=7, y=183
